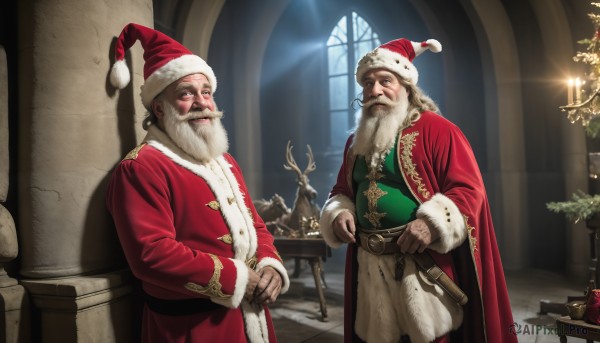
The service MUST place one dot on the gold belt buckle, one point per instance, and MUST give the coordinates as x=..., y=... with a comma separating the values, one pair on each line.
x=376, y=244
x=251, y=262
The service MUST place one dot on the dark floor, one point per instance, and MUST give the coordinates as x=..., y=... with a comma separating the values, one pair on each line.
x=297, y=317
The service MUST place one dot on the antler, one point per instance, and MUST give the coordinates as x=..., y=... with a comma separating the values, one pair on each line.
x=291, y=162
x=311, y=166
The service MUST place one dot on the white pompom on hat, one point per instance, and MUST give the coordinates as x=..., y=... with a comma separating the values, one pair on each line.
x=396, y=56
x=166, y=61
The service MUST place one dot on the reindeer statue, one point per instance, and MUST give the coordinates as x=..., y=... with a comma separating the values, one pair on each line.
x=271, y=210
x=303, y=220
x=305, y=213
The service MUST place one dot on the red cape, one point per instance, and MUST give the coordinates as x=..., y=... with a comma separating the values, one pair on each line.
x=435, y=157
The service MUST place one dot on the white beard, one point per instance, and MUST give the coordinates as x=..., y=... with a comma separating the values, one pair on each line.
x=202, y=142
x=377, y=129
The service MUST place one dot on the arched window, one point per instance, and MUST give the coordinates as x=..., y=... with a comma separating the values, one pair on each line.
x=351, y=34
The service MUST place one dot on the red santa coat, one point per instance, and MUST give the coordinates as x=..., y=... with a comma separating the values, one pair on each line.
x=190, y=230
x=439, y=167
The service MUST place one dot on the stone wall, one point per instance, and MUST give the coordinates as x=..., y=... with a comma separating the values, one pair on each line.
x=73, y=129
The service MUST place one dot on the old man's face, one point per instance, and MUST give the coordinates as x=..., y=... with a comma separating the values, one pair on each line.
x=186, y=111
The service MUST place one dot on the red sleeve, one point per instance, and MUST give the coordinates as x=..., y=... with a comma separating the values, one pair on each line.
x=459, y=177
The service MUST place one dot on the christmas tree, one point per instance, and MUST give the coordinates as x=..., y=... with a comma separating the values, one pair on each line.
x=584, y=206
x=591, y=57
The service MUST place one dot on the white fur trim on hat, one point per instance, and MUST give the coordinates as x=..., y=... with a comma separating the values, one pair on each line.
x=396, y=57
x=430, y=44
x=119, y=74
x=386, y=59
x=434, y=45
x=173, y=71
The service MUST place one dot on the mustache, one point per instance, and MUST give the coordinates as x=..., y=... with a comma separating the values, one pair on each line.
x=196, y=114
x=377, y=101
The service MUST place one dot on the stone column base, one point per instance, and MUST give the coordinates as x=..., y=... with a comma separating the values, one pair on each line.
x=96, y=308
x=14, y=312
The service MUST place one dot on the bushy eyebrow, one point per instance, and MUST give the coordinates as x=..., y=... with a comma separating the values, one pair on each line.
x=384, y=74
x=188, y=85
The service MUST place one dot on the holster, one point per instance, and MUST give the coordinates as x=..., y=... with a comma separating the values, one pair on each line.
x=437, y=275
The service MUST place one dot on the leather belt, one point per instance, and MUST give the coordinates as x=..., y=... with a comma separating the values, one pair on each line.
x=380, y=242
x=182, y=307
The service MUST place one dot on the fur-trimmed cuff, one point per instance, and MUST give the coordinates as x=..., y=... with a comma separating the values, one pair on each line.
x=240, y=286
x=278, y=266
x=447, y=219
x=332, y=207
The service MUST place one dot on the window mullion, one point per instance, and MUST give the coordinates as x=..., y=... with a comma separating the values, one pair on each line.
x=351, y=64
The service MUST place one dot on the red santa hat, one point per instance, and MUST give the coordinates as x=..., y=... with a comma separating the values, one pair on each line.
x=396, y=56
x=166, y=61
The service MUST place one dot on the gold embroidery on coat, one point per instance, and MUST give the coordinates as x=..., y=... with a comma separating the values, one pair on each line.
x=470, y=233
x=374, y=218
x=251, y=262
x=133, y=154
x=374, y=193
x=214, y=205
x=408, y=143
x=213, y=289
x=226, y=239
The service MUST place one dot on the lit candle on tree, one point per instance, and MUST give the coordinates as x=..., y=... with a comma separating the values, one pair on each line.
x=577, y=90
x=570, y=92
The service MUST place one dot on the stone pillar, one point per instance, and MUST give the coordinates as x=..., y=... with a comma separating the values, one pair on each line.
x=13, y=301
x=4, y=160
x=73, y=129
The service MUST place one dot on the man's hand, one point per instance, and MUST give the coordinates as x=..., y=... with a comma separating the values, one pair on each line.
x=344, y=228
x=269, y=286
x=417, y=237
x=253, y=280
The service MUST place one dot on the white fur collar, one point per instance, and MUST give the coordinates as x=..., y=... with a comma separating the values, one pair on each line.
x=236, y=214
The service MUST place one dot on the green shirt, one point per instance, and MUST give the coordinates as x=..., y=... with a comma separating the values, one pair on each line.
x=392, y=202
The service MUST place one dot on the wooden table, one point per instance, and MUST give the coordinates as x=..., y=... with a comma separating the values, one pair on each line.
x=565, y=326
x=315, y=250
